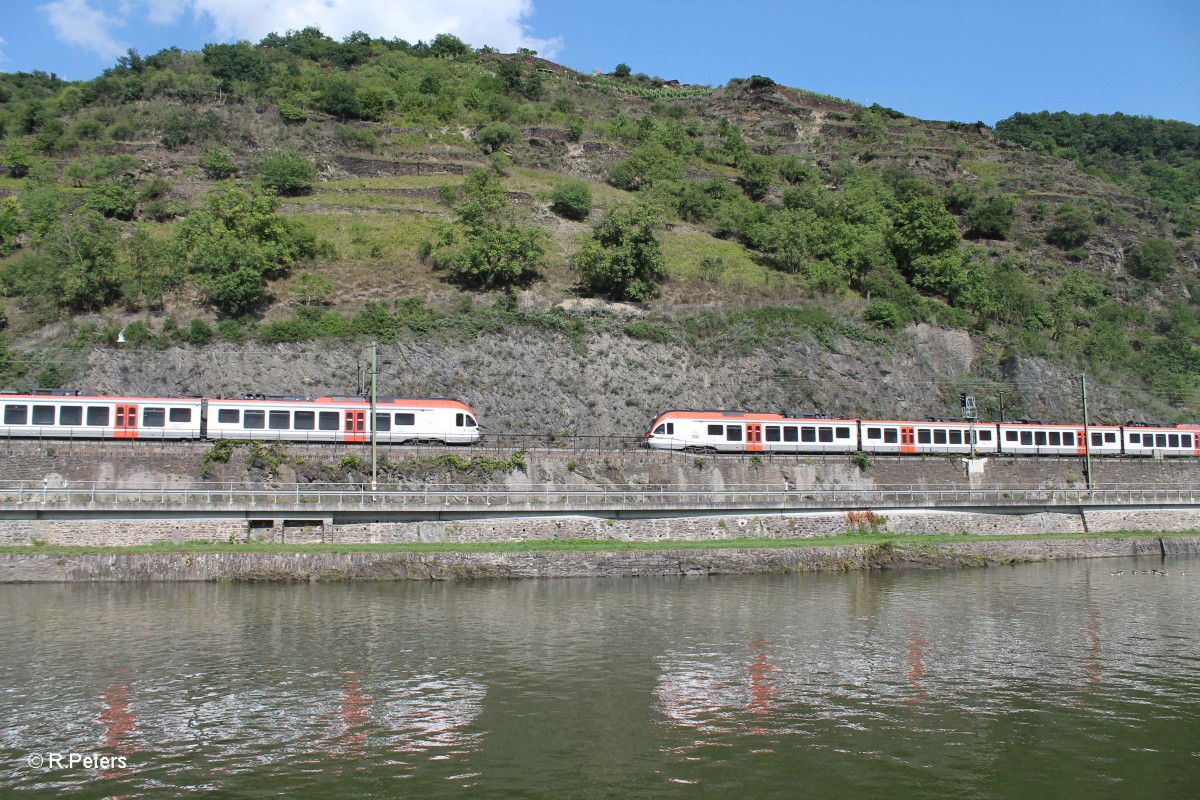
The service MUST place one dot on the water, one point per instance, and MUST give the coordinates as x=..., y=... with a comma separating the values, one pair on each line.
x=1042, y=680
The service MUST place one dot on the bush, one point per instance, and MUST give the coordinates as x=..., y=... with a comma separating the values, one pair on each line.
x=883, y=314
x=288, y=172
x=572, y=200
x=1071, y=228
x=992, y=219
x=1152, y=259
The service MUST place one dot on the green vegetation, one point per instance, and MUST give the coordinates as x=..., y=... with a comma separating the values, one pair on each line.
x=852, y=226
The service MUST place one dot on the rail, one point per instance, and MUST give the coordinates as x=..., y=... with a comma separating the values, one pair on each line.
x=315, y=497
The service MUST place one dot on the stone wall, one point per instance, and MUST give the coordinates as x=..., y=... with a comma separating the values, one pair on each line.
x=25, y=568
x=815, y=524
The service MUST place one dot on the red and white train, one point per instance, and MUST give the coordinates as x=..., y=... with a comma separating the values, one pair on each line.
x=745, y=431
x=63, y=414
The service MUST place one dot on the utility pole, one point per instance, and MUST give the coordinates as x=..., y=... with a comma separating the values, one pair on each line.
x=1001, y=406
x=969, y=413
x=1087, y=439
x=374, y=421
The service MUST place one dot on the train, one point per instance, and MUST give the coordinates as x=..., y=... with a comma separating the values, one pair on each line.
x=69, y=414
x=752, y=432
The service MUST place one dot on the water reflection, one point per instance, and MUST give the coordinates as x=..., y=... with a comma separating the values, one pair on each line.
x=1039, y=679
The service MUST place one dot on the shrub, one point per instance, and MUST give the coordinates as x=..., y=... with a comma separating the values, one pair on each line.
x=496, y=135
x=572, y=200
x=1152, y=259
x=288, y=172
x=1071, y=227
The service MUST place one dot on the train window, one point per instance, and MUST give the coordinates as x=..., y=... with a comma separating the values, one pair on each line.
x=383, y=422
x=1185, y=440
x=279, y=420
x=842, y=432
x=97, y=415
x=671, y=428
x=825, y=434
x=1027, y=438
x=180, y=415
x=70, y=415
x=985, y=436
x=16, y=415
x=1135, y=438
x=791, y=433
x=1039, y=438
x=956, y=437
x=1069, y=438
x=406, y=419
x=471, y=423
x=874, y=433
x=1110, y=437
x=772, y=433
x=939, y=437
x=924, y=437
x=716, y=430
x=1173, y=440
x=255, y=419
x=1011, y=436
x=304, y=420
x=43, y=415
x=890, y=436
x=229, y=416
x=1160, y=440
x=458, y=420
x=154, y=417
x=808, y=434
x=1097, y=439
x=1055, y=438
x=733, y=433
x=328, y=421
x=661, y=429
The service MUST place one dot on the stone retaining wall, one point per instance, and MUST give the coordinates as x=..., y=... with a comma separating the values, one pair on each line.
x=126, y=532
x=26, y=568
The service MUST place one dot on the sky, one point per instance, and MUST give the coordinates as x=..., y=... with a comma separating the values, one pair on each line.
x=938, y=59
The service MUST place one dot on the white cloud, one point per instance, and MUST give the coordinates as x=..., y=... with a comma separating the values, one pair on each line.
x=78, y=24
x=499, y=23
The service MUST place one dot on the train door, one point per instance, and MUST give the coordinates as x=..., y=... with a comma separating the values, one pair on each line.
x=356, y=426
x=125, y=421
x=1080, y=443
x=908, y=439
x=754, y=436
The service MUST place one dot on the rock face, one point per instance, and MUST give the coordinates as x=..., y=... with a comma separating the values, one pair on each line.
x=527, y=380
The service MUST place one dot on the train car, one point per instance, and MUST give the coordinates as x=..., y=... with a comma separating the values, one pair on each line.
x=66, y=414
x=1148, y=439
x=929, y=436
x=745, y=431
x=341, y=419
x=1033, y=437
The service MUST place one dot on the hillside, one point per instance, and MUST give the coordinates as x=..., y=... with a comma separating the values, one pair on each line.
x=572, y=253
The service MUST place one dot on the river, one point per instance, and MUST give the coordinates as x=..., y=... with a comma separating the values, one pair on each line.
x=1057, y=679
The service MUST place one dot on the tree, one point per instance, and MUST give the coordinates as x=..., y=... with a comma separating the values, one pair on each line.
x=340, y=98
x=18, y=159
x=1152, y=259
x=572, y=199
x=496, y=135
x=287, y=172
x=926, y=242
x=992, y=219
x=622, y=71
x=647, y=165
x=1071, y=228
x=757, y=172
x=623, y=260
x=485, y=247
x=10, y=224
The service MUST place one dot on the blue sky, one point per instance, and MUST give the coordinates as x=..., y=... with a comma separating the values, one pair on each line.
x=943, y=60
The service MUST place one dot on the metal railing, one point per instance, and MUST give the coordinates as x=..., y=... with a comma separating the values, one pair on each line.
x=315, y=497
